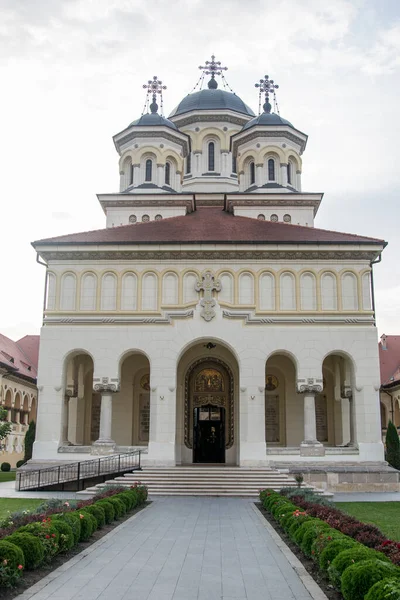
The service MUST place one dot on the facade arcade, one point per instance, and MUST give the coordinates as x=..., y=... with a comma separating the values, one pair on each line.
x=210, y=321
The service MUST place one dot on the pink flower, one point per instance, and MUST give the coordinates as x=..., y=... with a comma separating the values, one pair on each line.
x=20, y=567
x=5, y=562
x=81, y=516
x=66, y=503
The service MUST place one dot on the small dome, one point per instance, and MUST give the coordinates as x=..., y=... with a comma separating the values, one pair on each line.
x=212, y=99
x=153, y=120
x=267, y=119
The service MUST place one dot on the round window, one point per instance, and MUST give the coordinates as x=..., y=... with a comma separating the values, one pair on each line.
x=274, y=218
x=287, y=218
x=132, y=219
x=145, y=219
x=261, y=217
x=158, y=217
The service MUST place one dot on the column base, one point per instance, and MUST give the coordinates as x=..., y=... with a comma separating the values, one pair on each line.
x=103, y=447
x=312, y=449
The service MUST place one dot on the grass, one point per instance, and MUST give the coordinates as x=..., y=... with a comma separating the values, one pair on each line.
x=14, y=504
x=7, y=476
x=385, y=515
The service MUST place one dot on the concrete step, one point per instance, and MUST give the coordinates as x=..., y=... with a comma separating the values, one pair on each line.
x=203, y=481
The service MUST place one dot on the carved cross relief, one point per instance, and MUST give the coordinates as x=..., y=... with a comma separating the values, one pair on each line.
x=208, y=284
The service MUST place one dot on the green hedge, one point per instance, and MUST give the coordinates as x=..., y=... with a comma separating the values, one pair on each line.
x=109, y=510
x=356, y=570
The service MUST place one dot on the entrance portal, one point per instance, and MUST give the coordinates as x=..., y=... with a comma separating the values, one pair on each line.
x=209, y=434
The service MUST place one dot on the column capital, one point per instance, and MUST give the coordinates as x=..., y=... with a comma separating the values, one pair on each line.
x=106, y=385
x=310, y=385
x=346, y=391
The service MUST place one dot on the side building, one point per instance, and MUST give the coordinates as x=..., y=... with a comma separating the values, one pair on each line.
x=18, y=391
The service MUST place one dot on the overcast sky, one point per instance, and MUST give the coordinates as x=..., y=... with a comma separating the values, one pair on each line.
x=72, y=71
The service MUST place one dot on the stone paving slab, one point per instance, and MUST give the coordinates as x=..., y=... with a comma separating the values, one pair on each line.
x=7, y=490
x=184, y=548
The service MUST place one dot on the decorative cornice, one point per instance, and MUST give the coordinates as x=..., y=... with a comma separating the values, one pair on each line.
x=289, y=202
x=155, y=134
x=117, y=319
x=250, y=318
x=311, y=385
x=163, y=201
x=182, y=121
x=252, y=135
x=64, y=253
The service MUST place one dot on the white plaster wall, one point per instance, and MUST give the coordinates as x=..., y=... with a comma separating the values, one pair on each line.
x=120, y=216
x=299, y=215
x=251, y=345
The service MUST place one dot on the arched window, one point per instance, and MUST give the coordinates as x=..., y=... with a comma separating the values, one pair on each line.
x=289, y=173
x=88, y=292
x=252, y=173
x=188, y=163
x=51, y=292
x=129, y=292
x=271, y=169
x=328, y=292
x=211, y=156
x=168, y=173
x=149, y=170
x=68, y=292
x=130, y=174
x=246, y=289
x=149, y=292
x=227, y=288
x=233, y=164
x=349, y=292
x=308, y=298
x=287, y=292
x=170, y=289
x=109, y=292
x=267, y=291
x=189, y=284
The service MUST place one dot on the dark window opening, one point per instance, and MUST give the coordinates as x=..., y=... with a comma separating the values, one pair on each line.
x=289, y=173
x=252, y=173
x=188, y=164
x=130, y=174
x=168, y=174
x=271, y=170
x=149, y=170
x=211, y=156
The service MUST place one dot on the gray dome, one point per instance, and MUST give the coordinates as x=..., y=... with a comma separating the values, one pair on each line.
x=212, y=99
x=267, y=119
x=153, y=120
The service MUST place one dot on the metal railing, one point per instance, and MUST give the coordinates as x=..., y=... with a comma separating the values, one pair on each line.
x=77, y=472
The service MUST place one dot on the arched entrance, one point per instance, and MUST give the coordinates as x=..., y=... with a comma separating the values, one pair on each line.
x=207, y=415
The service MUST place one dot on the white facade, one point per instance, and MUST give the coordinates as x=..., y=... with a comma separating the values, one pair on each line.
x=231, y=331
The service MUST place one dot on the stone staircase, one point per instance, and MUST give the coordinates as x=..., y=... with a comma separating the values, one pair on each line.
x=204, y=481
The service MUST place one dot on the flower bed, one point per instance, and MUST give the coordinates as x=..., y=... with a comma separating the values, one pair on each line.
x=351, y=554
x=30, y=540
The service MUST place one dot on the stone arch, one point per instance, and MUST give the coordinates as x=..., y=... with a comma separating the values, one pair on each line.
x=220, y=390
x=283, y=412
x=80, y=402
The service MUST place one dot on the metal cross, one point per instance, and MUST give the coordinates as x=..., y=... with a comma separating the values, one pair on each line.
x=213, y=67
x=208, y=283
x=267, y=86
x=154, y=86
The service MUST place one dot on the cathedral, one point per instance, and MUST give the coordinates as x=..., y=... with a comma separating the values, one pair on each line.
x=210, y=321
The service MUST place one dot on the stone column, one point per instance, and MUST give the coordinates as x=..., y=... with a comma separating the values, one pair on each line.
x=196, y=167
x=310, y=446
x=105, y=444
x=298, y=181
x=136, y=175
x=259, y=175
x=160, y=175
x=64, y=421
x=284, y=180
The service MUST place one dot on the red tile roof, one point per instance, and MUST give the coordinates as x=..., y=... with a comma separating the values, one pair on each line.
x=389, y=360
x=209, y=225
x=20, y=358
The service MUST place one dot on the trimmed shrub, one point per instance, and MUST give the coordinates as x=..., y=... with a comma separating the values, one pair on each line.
x=312, y=533
x=108, y=510
x=392, y=446
x=297, y=523
x=31, y=547
x=119, y=506
x=323, y=540
x=5, y=466
x=73, y=520
x=301, y=531
x=125, y=498
x=386, y=589
x=20, y=463
x=331, y=550
x=87, y=528
x=66, y=539
x=98, y=513
x=47, y=534
x=12, y=562
x=349, y=557
x=358, y=579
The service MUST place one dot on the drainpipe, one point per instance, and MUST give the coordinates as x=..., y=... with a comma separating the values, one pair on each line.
x=45, y=285
x=374, y=262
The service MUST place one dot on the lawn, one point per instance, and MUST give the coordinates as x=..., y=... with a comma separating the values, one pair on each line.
x=7, y=476
x=14, y=504
x=385, y=515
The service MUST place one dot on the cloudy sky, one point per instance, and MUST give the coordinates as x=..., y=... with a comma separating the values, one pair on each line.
x=71, y=75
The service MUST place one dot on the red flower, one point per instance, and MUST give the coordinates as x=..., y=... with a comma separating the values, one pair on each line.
x=53, y=535
x=20, y=567
x=47, y=537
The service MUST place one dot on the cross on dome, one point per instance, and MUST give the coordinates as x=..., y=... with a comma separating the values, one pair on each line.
x=213, y=68
x=267, y=86
x=154, y=86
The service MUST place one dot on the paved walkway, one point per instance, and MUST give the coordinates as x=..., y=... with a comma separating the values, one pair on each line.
x=184, y=549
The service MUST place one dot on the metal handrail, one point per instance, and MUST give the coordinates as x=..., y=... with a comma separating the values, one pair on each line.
x=31, y=479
